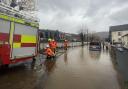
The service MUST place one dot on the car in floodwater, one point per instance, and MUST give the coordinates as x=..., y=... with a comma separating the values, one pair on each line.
x=95, y=46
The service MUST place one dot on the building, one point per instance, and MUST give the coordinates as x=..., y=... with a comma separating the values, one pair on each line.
x=45, y=34
x=125, y=40
x=116, y=33
x=59, y=36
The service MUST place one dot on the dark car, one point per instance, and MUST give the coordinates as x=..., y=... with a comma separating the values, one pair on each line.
x=96, y=46
x=118, y=45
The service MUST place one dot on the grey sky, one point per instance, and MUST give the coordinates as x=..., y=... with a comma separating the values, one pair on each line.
x=72, y=15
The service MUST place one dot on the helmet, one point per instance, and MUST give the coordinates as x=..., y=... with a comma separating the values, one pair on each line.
x=49, y=39
x=47, y=46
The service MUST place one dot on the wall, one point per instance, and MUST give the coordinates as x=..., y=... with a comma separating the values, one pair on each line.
x=116, y=37
x=71, y=44
x=125, y=41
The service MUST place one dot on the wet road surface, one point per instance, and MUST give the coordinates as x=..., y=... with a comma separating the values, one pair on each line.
x=78, y=68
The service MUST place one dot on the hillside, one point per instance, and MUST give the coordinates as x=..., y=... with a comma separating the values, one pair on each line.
x=103, y=34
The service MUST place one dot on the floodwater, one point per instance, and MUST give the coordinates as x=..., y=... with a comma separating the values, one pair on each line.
x=77, y=68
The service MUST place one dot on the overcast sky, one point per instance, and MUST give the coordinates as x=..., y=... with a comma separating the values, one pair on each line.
x=72, y=15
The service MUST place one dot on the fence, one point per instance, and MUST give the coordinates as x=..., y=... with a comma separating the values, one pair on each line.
x=60, y=45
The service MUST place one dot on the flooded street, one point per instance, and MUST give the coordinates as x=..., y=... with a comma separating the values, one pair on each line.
x=78, y=68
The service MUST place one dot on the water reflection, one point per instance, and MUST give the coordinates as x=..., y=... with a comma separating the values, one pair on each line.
x=95, y=54
x=12, y=69
x=33, y=64
x=79, y=73
x=85, y=70
x=82, y=52
x=66, y=57
x=50, y=65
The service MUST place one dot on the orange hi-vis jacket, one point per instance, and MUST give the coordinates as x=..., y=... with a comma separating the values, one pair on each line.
x=65, y=43
x=49, y=52
x=53, y=44
x=50, y=44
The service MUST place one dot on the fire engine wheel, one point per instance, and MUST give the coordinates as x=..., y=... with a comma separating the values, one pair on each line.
x=5, y=66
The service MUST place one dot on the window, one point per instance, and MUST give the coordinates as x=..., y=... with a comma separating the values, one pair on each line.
x=119, y=33
x=119, y=39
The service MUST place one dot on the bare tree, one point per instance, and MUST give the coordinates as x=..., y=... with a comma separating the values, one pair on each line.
x=83, y=32
x=94, y=37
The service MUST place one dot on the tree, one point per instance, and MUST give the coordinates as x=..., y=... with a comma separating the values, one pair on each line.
x=82, y=38
x=83, y=33
x=94, y=37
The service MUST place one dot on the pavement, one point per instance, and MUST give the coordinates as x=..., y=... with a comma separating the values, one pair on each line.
x=76, y=68
x=122, y=63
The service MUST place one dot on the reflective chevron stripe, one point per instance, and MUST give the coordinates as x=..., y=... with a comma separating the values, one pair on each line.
x=24, y=41
x=17, y=38
x=4, y=36
x=28, y=39
x=28, y=44
x=16, y=45
x=20, y=45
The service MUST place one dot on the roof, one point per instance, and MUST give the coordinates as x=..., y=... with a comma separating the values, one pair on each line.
x=48, y=30
x=123, y=27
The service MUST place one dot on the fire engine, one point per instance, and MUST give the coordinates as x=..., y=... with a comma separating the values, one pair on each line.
x=18, y=36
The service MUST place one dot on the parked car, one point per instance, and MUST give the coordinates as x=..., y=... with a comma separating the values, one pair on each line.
x=96, y=46
x=118, y=45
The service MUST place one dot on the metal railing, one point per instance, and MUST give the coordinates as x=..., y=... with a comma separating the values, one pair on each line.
x=5, y=9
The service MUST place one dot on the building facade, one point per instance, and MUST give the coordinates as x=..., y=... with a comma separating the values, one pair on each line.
x=116, y=33
x=125, y=40
x=45, y=34
x=59, y=36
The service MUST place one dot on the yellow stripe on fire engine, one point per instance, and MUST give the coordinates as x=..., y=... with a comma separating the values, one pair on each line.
x=28, y=39
x=16, y=45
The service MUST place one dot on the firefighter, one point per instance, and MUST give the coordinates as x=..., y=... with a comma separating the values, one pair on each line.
x=49, y=53
x=54, y=45
x=65, y=44
x=50, y=42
